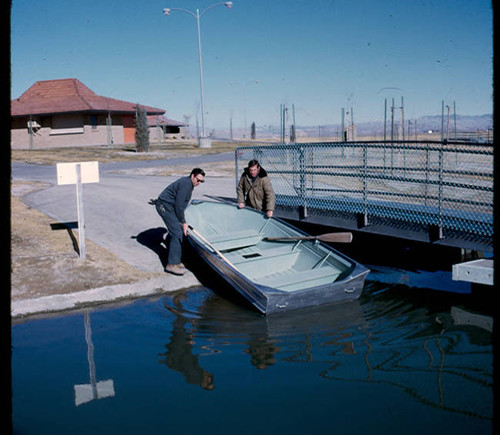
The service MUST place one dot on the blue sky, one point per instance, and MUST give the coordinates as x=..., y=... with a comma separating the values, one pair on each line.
x=318, y=55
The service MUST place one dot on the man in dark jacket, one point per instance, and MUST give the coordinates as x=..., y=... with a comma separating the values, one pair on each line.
x=171, y=205
x=255, y=189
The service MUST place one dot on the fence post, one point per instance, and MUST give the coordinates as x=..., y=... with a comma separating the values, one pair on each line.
x=365, y=174
x=440, y=186
x=436, y=232
x=302, y=182
x=427, y=169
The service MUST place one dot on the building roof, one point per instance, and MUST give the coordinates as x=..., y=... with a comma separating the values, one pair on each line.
x=161, y=120
x=69, y=96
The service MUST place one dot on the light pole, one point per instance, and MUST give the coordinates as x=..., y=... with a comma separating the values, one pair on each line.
x=205, y=142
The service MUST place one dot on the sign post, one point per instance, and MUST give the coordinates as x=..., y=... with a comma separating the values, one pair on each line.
x=78, y=173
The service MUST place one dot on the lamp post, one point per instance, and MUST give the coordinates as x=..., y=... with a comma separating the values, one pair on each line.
x=204, y=141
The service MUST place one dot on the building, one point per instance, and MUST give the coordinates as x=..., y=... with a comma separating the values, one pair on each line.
x=161, y=128
x=65, y=112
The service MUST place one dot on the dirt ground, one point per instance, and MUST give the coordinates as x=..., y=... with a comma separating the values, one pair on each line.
x=45, y=261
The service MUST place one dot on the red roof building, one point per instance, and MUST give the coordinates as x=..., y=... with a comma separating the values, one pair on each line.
x=67, y=113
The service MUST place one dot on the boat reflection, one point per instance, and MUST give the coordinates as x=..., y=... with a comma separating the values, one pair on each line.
x=398, y=342
x=217, y=323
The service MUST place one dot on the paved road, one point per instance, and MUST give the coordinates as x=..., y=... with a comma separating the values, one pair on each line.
x=23, y=171
x=117, y=214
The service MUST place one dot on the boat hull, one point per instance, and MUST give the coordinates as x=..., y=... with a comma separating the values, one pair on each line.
x=268, y=299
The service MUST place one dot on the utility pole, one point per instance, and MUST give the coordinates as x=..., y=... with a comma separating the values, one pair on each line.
x=448, y=123
x=385, y=119
x=454, y=121
x=392, y=120
x=281, y=124
x=109, y=135
x=403, y=117
x=344, y=137
x=30, y=132
x=285, y=125
x=231, y=126
x=352, y=124
x=442, y=120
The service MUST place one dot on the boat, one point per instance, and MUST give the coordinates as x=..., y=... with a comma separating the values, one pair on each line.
x=272, y=264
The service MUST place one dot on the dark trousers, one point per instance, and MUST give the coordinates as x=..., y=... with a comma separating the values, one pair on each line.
x=174, y=237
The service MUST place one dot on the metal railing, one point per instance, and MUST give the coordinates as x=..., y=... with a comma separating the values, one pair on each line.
x=445, y=184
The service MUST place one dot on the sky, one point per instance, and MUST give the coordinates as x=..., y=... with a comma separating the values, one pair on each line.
x=318, y=55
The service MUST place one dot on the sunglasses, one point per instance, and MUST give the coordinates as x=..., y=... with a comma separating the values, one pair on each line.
x=198, y=180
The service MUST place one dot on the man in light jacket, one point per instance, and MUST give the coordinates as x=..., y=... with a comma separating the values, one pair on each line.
x=255, y=189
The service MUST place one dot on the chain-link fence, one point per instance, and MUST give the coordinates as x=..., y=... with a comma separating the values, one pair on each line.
x=448, y=185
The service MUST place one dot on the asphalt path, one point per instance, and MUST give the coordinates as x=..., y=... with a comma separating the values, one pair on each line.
x=116, y=210
x=48, y=173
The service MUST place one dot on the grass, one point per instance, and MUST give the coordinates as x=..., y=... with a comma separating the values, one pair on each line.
x=173, y=149
x=121, y=153
x=44, y=262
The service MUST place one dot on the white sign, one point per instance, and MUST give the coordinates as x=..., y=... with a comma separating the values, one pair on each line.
x=66, y=172
x=78, y=173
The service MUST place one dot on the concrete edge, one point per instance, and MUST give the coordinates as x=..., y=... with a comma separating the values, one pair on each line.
x=479, y=271
x=102, y=295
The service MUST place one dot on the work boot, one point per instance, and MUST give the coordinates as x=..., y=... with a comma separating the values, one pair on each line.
x=176, y=269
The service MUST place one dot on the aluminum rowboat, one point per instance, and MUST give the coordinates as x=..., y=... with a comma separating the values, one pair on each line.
x=273, y=276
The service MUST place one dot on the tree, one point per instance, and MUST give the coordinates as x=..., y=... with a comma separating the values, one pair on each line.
x=141, y=130
x=252, y=130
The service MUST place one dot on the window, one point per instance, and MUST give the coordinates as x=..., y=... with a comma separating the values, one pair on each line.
x=67, y=124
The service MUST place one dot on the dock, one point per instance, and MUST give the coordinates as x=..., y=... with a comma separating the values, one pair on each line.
x=476, y=271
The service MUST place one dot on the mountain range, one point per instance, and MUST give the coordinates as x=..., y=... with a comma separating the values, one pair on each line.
x=423, y=124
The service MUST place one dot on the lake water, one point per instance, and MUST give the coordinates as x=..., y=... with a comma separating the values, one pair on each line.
x=399, y=360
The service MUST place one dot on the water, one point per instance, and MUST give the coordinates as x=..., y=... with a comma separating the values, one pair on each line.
x=399, y=360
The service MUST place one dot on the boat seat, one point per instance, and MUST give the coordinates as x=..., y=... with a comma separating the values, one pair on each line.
x=264, y=262
x=235, y=240
x=296, y=280
x=256, y=253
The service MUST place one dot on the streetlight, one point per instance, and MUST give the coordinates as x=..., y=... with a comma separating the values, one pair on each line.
x=205, y=142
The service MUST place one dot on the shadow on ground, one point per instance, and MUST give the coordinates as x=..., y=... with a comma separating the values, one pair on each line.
x=154, y=239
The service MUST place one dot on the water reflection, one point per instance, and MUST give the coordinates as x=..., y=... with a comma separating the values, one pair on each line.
x=395, y=349
x=94, y=390
x=431, y=355
x=179, y=356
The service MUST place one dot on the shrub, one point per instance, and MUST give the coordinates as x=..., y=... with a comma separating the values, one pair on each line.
x=141, y=130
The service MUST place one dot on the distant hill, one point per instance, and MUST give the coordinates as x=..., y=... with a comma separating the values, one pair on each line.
x=464, y=123
x=423, y=124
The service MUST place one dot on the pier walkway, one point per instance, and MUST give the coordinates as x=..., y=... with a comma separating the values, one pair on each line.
x=437, y=192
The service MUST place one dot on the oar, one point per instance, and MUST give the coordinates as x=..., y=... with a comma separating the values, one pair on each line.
x=212, y=247
x=329, y=237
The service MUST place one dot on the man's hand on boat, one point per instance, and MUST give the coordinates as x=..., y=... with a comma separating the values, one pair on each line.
x=269, y=213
